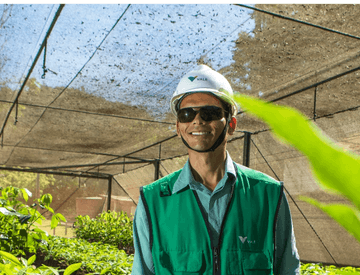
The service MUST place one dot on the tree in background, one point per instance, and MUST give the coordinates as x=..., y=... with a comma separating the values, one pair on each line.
x=35, y=182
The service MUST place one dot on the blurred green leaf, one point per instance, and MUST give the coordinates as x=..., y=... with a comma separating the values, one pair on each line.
x=294, y=128
x=335, y=169
x=26, y=193
x=46, y=199
x=31, y=260
x=345, y=215
x=54, y=221
x=60, y=216
x=72, y=268
x=10, y=257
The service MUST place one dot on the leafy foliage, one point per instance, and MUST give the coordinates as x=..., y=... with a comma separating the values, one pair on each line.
x=9, y=265
x=108, y=227
x=313, y=268
x=18, y=232
x=95, y=257
x=324, y=157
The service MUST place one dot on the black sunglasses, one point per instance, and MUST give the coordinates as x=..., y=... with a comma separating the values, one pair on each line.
x=207, y=113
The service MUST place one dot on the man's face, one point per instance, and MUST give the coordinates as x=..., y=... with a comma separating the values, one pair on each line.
x=200, y=134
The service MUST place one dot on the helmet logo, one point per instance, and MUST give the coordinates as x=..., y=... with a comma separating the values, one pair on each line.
x=192, y=78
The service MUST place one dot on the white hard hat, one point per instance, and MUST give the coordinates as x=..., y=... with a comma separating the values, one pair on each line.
x=204, y=79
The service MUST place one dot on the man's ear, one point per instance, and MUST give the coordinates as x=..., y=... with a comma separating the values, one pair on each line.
x=177, y=128
x=232, y=125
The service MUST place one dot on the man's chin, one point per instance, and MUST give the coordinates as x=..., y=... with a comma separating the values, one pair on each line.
x=200, y=147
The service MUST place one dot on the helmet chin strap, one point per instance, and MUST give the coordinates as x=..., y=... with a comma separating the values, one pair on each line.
x=217, y=142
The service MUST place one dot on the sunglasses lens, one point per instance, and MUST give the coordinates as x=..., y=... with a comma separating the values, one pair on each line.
x=210, y=113
x=186, y=115
x=207, y=113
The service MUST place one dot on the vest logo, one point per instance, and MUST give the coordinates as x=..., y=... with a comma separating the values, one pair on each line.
x=244, y=239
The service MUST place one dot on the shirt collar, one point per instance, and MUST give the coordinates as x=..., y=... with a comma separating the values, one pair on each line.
x=186, y=178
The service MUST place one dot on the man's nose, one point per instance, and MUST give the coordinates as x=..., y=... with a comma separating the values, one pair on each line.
x=198, y=119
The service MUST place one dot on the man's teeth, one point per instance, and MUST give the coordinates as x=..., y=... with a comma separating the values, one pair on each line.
x=199, y=133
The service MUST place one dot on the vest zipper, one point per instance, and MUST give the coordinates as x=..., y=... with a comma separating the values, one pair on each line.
x=216, y=262
x=215, y=249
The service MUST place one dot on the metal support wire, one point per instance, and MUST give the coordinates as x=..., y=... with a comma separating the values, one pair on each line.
x=298, y=21
x=146, y=147
x=164, y=168
x=316, y=84
x=311, y=86
x=124, y=190
x=34, y=170
x=75, y=152
x=297, y=206
x=55, y=210
x=32, y=66
x=89, y=113
x=98, y=164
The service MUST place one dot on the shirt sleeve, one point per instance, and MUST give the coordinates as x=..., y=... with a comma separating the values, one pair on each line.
x=143, y=262
x=286, y=254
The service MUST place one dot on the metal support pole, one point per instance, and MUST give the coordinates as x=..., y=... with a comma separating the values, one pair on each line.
x=246, y=151
x=157, y=169
x=37, y=186
x=315, y=103
x=109, y=193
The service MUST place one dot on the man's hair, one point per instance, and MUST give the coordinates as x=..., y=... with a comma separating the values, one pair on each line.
x=226, y=106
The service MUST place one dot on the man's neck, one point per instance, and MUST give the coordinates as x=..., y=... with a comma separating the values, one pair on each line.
x=208, y=168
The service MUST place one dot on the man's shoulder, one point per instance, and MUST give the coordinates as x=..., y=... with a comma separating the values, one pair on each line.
x=256, y=175
x=167, y=180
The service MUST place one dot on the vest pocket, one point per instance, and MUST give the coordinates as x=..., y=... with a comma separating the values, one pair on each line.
x=182, y=262
x=256, y=263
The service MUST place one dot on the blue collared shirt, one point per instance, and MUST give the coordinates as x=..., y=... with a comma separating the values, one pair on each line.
x=214, y=204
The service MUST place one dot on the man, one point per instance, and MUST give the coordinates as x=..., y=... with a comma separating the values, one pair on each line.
x=213, y=216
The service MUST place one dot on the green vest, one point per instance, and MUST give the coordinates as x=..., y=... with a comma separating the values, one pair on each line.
x=179, y=234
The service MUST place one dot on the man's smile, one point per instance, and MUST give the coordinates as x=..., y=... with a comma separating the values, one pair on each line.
x=200, y=133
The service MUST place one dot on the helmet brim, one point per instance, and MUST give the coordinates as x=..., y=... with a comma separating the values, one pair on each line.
x=228, y=99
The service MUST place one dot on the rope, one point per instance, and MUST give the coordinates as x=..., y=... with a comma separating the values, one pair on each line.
x=298, y=21
x=297, y=206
